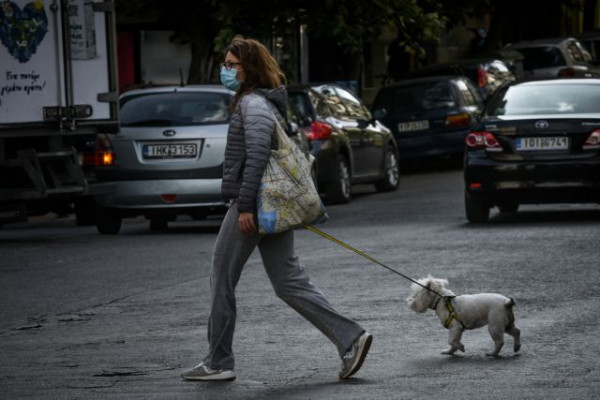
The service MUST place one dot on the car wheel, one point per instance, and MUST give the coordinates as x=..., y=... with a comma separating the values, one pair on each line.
x=339, y=192
x=478, y=211
x=108, y=222
x=508, y=207
x=391, y=178
x=159, y=224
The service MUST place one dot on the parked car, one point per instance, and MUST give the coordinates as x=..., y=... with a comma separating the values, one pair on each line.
x=348, y=144
x=537, y=142
x=168, y=158
x=429, y=116
x=486, y=74
x=557, y=57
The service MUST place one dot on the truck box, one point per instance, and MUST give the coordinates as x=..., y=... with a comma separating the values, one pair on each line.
x=58, y=90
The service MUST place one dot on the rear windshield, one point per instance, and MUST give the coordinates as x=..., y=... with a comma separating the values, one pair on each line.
x=546, y=99
x=413, y=98
x=175, y=109
x=542, y=57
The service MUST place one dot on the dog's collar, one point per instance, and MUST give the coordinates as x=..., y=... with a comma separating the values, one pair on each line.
x=436, y=303
x=452, y=315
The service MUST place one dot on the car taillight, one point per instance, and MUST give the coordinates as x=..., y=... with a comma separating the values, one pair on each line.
x=482, y=76
x=103, y=152
x=319, y=131
x=457, y=120
x=483, y=140
x=593, y=141
x=566, y=72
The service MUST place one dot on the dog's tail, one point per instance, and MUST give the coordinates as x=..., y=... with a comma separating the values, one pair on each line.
x=510, y=303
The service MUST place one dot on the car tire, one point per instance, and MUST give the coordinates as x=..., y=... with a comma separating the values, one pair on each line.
x=391, y=178
x=159, y=224
x=339, y=192
x=477, y=210
x=108, y=222
x=508, y=208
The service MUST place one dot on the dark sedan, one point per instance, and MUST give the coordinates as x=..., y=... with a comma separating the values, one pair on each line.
x=537, y=142
x=348, y=144
x=429, y=116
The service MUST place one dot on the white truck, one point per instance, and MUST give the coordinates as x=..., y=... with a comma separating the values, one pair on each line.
x=58, y=91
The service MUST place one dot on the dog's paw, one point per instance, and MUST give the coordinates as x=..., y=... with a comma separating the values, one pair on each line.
x=462, y=348
x=517, y=347
x=448, y=352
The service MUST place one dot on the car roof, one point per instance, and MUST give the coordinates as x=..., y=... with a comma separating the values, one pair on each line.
x=557, y=81
x=189, y=88
x=557, y=41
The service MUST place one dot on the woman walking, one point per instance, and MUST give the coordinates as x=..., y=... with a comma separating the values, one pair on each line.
x=251, y=71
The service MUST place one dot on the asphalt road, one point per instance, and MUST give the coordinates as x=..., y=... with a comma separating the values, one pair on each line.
x=85, y=316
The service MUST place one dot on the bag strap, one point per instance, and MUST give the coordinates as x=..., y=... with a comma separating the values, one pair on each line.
x=282, y=137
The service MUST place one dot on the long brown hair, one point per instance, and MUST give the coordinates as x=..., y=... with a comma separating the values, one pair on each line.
x=260, y=68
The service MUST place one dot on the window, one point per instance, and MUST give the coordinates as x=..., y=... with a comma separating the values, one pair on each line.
x=468, y=96
x=542, y=57
x=575, y=52
x=547, y=99
x=175, y=109
x=354, y=107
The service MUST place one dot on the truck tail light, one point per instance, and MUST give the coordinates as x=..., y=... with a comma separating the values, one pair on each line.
x=319, y=131
x=483, y=140
x=103, y=152
x=593, y=141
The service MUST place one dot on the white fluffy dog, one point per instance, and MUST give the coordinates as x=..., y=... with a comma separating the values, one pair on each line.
x=471, y=311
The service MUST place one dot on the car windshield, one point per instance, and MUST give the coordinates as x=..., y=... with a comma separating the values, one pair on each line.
x=546, y=99
x=542, y=57
x=417, y=97
x=175, y=109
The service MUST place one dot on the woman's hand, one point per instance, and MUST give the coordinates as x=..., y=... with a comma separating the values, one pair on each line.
x=246, y=223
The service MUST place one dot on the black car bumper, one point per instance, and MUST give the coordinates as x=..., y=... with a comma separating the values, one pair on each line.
x=533, y=183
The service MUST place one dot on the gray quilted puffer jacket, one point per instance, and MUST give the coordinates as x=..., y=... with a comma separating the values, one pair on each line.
x=249, y=141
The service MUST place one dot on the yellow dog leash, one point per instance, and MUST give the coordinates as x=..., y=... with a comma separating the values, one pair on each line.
x=365, y=255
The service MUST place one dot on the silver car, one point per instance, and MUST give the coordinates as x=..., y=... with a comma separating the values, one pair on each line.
x=167, y=159
x=557, y=57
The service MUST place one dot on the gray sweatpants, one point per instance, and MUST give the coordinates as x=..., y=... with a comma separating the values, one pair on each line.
x=290, y=281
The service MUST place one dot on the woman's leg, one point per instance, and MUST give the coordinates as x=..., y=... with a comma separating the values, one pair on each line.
x=232, y=250
x=292, y=285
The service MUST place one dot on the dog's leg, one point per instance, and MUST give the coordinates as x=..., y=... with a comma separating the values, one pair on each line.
x=516, y=334
x=454, y=335
x=497, y=334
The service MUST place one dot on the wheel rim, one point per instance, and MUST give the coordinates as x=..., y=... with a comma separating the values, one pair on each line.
x=391, y=169
x=344, y=176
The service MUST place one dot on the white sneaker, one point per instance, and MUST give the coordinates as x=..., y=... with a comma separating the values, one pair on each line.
x=202, y=372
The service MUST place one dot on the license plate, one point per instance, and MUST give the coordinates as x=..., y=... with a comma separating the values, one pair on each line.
x=542, y=143
x=170, y=150
x=413, y=126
